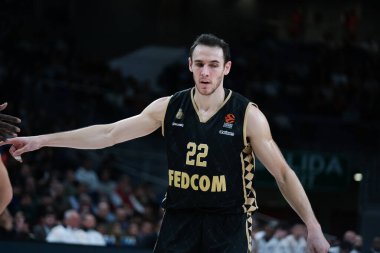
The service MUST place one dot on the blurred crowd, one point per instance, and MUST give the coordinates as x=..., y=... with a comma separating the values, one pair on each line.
x=274, y=237
x=92, y=205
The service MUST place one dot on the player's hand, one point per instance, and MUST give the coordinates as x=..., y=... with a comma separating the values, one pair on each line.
x=6, y=124
x=21, y=145
x=316, y=242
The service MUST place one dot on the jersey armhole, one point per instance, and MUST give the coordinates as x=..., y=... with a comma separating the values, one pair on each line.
x=163, y=121
x=245, y=123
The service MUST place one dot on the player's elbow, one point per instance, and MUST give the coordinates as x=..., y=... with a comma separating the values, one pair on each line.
x=282, y=177
x=108, y=138
x=109, y=141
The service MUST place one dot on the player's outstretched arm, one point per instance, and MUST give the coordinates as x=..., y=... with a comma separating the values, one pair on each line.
x=96, y=136
x=6, y=124
x=266, y=150
x=5, y=187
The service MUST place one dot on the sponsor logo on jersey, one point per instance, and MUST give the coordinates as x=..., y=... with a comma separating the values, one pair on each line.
x=196, y=182
x=177, y=124
x=226, y=133
x=179, y=114
x=230, y=118
x=229, y=121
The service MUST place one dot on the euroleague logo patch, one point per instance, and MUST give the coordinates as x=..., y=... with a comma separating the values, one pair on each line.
x=230, y=118
x=229, y=121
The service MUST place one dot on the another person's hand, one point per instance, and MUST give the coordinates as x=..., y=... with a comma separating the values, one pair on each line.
x=7, y=129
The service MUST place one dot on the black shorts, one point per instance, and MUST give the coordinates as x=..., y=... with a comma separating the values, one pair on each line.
x=194, y=232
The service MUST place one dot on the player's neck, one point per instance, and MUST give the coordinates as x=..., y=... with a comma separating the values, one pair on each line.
x=209, y=102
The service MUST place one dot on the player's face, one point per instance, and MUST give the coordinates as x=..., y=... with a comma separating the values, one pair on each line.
x=208, y=68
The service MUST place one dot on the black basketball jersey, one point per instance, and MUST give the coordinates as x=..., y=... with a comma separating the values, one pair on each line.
x=210, y=164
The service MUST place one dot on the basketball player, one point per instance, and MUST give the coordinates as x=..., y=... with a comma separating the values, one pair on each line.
x=211, y=135
x=6, y=130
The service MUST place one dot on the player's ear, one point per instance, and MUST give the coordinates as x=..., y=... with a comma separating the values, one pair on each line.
x=227, y=68
x=190, y=62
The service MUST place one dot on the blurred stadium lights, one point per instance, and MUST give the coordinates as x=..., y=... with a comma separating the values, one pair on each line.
x=358, y=177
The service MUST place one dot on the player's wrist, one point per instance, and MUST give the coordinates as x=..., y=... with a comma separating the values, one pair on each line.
x=313, y=227
x=41, y=141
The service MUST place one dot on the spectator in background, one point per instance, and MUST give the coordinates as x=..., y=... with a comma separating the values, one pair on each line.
x=148, y=235
x=93, y=237
x=106, y=184
x=267, y=242
x=87, y=175
x=123, y=191
x=114, y=237
x=103, y=213
x=295, y=242
x=375, y=245
x=21, y=227
x=350, y=236
x=122, y=214
x=358, y=244
x=130, y=237
x=85, y=203
x=48, y=221
x=6, y=226
x=70, y=182
x=347, y=243
x=69, y=232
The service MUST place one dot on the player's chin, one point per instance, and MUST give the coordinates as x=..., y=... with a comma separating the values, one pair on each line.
x=206, y=90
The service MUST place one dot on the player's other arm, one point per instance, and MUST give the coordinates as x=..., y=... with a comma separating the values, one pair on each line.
x=97, y=136
x=266, y=150
x=5, y=187
x=7, y=128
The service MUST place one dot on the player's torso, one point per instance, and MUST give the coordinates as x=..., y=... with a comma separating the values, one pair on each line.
x=205, y=159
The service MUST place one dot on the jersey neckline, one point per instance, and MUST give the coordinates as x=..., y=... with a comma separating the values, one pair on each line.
x=216, y=112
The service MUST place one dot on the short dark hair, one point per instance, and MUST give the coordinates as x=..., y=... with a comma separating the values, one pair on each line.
x=212, y=41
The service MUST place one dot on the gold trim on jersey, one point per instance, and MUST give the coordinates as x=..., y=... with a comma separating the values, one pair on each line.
x=248, y=231
x=248, y=168
x=163, y=121
x=245, y=123
x=197, y=109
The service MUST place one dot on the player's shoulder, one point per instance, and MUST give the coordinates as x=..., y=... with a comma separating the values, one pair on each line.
x=254, y=112
x=157, y=108
x=256, y=118
x=161, y=101
x=179, y=95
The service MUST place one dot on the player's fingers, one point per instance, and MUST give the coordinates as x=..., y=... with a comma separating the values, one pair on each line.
x=310, y=249
x=13, y=151
x=13, y=141
x=21, y=150
x=3, y=140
